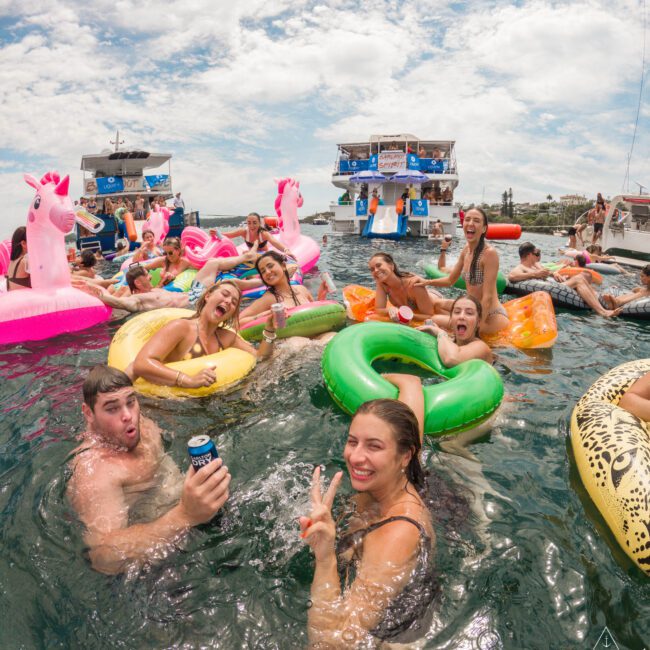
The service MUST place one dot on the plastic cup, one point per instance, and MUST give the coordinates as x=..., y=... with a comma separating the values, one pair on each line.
x=405, y=314
x=279, y=315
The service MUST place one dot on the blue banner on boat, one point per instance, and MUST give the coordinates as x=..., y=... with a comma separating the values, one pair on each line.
x=154, y=181
x=353, y=166
x=420, y=208
x=362, y=207
x=110, y=184
x=373, y=162
x=412, y=161
x=432, y=166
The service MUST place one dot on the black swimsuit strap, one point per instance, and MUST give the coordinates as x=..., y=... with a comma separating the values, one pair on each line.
x=378, y=524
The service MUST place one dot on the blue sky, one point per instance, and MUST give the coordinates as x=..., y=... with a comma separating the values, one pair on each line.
x=540, y=96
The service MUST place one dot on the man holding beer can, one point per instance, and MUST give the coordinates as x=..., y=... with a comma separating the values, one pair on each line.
x=121, y=463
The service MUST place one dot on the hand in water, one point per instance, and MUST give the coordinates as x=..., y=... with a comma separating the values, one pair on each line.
x=319, y=530
x=204, y=493
x=205, y=377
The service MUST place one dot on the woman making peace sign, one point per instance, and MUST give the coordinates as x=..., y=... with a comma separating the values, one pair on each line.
x=389, y=539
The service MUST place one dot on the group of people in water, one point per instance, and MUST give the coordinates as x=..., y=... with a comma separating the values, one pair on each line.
x=390, y=538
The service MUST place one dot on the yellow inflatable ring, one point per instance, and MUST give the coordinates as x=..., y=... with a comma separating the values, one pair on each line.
x=612, y=451
x=230, y=364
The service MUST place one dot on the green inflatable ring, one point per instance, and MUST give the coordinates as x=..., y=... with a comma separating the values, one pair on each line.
x=310, y=319
x=433, y=272
x=471, y=394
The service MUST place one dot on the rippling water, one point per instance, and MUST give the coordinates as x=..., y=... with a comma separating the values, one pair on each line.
x=532, y=567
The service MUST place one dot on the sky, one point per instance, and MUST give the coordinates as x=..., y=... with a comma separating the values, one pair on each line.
x=539, y=96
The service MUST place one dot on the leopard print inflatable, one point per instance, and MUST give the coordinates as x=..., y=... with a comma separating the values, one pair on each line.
x=612, y=451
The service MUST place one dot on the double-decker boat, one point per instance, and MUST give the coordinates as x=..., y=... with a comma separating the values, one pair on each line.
x=626, y=231
x=377, y=173
x=127, y=174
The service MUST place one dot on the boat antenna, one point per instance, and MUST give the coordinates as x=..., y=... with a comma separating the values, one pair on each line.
x=641, y=187
x=626, y=180
x=117, y=142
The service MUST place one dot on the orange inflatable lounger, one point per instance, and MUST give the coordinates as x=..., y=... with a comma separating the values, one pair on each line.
x=532, y=323
x=360, y=305
x=569, y=271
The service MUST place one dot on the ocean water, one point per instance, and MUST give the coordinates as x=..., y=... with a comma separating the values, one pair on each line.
x=532, y=566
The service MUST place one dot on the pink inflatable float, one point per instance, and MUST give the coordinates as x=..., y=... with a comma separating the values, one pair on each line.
x=201, y=247
x=5, y=256
x=287, y=203
x=51, y=306
x=158, y=223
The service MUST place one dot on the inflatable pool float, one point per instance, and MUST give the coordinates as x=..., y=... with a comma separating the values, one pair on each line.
x=503, y=231
x=52, y=306
x=433, y=272
x=570, y=271
x=532, y=323
x=360, y=305
x=310, y=319
x=471, y=394
x=199, y=247
x=612, y=451
x=287, y=203
x=230, y=364
x=5, y=256
x=604, y=268
x=563, y=296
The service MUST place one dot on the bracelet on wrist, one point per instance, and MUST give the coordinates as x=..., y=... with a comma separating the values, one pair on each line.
x=269, y=339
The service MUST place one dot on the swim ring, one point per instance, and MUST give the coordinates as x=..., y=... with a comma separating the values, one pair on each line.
x=612, y=451
x=471, y=394
x=230, y=364
x=532, y=323
x=433, y=272
x=310, y=319
x=570, y=271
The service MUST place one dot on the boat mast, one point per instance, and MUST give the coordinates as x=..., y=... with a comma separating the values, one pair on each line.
x=117, y=141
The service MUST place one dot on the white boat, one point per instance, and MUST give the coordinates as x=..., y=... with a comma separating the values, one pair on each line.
x=390, y=155
x=626, y=232
x=320, y=221
x=122, y=173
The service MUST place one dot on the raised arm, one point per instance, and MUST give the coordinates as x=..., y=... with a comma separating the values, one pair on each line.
x=233, y=234
x=96, y=493
x=130, y=303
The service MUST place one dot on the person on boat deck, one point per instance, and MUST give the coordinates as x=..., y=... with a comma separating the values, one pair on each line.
x=17, y=272
x=109, y=206
x=139, y=207
x=478, y=265
x=464, y=343
x=436, y=229
x=529, y=268
x=173, y=261
x=120, y=466
x=638, y=293
x=273, y=270
x=422, y=152
x=599, y=223
x=254, y=233
x=149, y=250
x=92, y=205
x=447, y=196
x=212, y=329
x=386, y=550
x=437, y=154
x=400, y=288
x=637, y=398
x=87, y=264
x=178, y=203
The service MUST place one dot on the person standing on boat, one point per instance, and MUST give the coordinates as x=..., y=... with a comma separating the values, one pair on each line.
x=179, y=204
x=599, y=222
x=128, y=493
x=478, y=265
x=139, y=207
x=17, y=272
x=92, y=205
x=254, y=233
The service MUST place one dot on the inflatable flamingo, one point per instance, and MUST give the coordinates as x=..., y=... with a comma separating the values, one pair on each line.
x=5, y=256
x=52, y=306
x=200, y=247
x=287, y=203
x=158, y=223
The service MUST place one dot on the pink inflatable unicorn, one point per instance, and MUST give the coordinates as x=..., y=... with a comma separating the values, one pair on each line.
x=158, y=223
x=5, y=256
x=287, y=203
x=51, y=306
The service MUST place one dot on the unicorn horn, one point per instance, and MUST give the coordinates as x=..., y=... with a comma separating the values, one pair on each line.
x=62, y=188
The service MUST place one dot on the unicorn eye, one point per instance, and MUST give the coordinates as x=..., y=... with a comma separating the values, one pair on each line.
x=37, y=202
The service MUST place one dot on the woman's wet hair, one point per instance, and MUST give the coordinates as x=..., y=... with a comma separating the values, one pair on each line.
x=404, y=425
x=282, y=260
x=477, y=304
x=388, y=258
x=174, y=242
x=233, y=321
x=19, y=236
x=103, y=379
x=473, y=267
